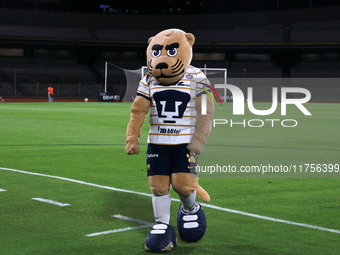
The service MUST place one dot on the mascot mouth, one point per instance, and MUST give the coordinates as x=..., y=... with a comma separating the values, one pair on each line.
x=168, y=76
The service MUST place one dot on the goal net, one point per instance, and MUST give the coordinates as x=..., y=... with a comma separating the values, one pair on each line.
x=132, y=81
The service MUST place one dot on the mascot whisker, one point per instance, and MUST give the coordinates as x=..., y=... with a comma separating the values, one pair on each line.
x=178, y=131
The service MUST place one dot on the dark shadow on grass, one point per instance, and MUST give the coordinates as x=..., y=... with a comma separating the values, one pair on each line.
x=179, y=250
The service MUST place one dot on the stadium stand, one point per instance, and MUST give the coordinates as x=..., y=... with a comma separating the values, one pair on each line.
x=316, y=69
x=316, y=31
x=272, y=33
x=45, y=32
x=254, y=70
x=51, y=73
x=71, y=48
x=125, y=35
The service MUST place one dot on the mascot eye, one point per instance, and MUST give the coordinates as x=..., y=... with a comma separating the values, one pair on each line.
x=172, y=52
x=156, y=53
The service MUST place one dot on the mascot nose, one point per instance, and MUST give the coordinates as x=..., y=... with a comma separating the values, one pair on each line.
x=162, y=65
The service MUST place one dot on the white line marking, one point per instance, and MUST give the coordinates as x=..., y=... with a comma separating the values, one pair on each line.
x=142, y=222
x=2, y=190
x=270, y=218
x=145, y=225
x=79, y=182
x=115, y=231
x=48, y=201
x=177, y=200
x=43, y=109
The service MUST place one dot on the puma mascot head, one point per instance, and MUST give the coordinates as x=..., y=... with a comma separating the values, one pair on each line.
x=169, y=54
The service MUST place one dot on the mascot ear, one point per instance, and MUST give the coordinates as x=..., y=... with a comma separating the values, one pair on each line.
x=150, y=39
x=190, y=37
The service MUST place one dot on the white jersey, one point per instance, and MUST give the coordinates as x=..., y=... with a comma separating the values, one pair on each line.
x=173, y=113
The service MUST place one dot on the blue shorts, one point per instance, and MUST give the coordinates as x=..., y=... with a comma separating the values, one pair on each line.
x=168, y=159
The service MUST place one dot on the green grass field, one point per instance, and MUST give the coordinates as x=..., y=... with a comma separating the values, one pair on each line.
x=76, y=152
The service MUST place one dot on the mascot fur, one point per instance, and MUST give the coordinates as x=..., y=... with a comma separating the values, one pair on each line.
x=178, y=131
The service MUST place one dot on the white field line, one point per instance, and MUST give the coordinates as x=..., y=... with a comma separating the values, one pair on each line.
x=48, y=201
x=271, y=219
x=115, y=231
x=145, y=224
x=43, y=109
x=79, y=182
x=177, y=200
x=2, y=190
x=142, y=222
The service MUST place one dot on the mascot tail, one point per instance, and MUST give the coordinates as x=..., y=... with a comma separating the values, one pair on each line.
x=202, y=194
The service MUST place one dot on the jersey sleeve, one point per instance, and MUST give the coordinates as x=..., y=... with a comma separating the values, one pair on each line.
x=201, y=82
x=144, y=88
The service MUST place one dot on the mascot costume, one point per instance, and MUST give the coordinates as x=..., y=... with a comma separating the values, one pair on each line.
x=178, y=131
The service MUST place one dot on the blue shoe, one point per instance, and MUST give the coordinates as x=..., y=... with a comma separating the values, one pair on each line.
x=161, y=238
x=191, y=225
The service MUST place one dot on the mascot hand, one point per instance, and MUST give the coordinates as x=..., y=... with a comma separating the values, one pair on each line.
x=203, y=126
x=196, y=145
x=131, y=145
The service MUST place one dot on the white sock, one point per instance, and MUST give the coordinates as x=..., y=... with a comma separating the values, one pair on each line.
x=161, y=208
x=189, y=201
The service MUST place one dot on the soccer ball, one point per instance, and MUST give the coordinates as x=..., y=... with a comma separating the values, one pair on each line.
x=86, y=100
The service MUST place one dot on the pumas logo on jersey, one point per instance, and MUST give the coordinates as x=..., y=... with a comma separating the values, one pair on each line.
x=171, y=105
